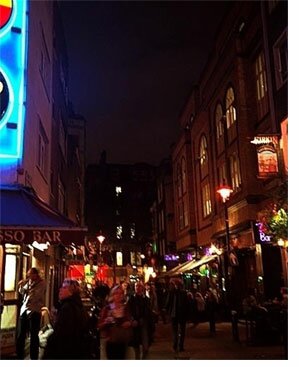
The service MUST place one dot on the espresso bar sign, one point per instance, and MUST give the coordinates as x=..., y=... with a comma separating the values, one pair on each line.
x=28, y=236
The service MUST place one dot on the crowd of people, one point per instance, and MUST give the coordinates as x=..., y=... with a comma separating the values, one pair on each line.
x=128, y=316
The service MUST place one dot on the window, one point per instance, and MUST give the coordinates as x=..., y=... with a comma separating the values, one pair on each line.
x=42, y=153
x=235, y=172
x=119, y=231
x=231, y=116
x=118, y=190
x=62, y=137
x=218, y=121
x=61, y=196
x=203, y=157
x=222, y=174
x=44, y=64
x=261, y=86
x=179, y=181
x=206, y=200
x=203, y=151
x=132, y=230
x=184, y=176
x=280, y=51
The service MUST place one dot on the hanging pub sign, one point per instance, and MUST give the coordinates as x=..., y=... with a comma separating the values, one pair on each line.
x=266, y=148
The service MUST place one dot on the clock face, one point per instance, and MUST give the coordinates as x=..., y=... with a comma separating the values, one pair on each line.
x=6, y=7
x=4, y=96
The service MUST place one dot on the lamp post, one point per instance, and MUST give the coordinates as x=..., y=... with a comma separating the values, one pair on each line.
x=101, y=239
x=225, y=192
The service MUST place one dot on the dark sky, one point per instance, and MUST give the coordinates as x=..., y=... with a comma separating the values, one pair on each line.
x=132, y=66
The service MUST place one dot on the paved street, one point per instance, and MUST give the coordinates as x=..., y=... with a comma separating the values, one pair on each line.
x=200, y=345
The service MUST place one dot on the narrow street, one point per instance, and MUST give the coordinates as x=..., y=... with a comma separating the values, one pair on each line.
x=199, y=344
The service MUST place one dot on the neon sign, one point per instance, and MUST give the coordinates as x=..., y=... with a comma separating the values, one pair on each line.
x=13, y=34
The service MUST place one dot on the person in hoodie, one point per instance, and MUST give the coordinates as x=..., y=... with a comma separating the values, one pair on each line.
x=68, y=341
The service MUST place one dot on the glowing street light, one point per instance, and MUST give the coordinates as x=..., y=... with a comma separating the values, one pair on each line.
x=225, y=192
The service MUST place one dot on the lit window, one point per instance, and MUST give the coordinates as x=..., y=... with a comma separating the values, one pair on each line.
x=222, y=174
x=132, y=230
x=119, y=231
x=235, y=172
x=218, y=120
x=261, y=85
x=231, y=115
x=206, y=200
x=118, y=190
x=203, y=151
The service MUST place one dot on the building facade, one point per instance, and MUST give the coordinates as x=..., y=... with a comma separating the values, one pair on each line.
x=118, y=199
x=34, y=197
x=234, y=132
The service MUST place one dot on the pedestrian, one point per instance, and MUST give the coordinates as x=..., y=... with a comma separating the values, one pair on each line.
x=70, y=337
x=201, y=306
x=33, y=290
x=177, y=304
x=140, y=308
x=116, y=323
x=150, y=292
x=211, y=300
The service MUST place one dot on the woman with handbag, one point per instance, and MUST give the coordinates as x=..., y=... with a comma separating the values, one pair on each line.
x=116, y=322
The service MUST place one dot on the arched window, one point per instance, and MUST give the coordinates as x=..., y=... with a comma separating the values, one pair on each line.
x=218, y=121
x=231, y=115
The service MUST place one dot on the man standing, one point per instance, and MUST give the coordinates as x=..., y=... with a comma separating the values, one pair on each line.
x=33, y=291
x=177, y=306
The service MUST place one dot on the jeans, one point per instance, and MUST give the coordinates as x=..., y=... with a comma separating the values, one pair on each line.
x=28, y=323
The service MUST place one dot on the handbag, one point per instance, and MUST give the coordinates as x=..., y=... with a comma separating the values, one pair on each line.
x=44, y=335
x=119, y=334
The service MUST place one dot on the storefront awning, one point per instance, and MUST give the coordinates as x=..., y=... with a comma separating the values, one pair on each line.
x=25, y=218
x=195, y=264
x=172, y=271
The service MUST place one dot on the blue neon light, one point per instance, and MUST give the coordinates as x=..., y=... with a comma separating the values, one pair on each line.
x=13, y=49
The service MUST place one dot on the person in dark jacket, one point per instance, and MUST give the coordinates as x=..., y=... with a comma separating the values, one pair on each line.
x=71, y=326
x=140, y=309
x=177, y=305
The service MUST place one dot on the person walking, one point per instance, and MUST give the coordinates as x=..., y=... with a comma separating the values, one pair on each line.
x=69, y=339
x=211, y=300
x=116, y=322
x=33, y=290
x=140, y=308
x=177, y=305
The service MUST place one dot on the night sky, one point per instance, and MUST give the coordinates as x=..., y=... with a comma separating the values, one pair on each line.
x=131, y=67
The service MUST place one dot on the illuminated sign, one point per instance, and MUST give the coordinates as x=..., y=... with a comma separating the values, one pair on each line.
x=266, y=148
x=265, y=139
x=13, y=34
x=261, y=233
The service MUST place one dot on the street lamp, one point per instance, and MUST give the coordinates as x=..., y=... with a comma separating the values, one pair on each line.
x=101, y=239
x=225, y=192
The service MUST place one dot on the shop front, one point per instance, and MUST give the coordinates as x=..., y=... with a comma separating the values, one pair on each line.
x=31, y=235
